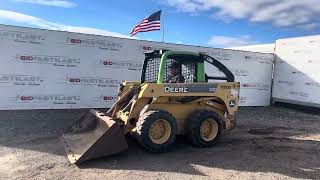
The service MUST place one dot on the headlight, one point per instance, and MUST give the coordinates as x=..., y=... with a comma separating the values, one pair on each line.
x=232, y=103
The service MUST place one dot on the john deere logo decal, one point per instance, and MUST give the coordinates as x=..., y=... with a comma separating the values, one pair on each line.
x=190, y=88
x=169, y=89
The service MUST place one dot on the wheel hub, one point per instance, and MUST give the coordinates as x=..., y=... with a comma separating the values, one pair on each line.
x=160, y=131
x=209, y=129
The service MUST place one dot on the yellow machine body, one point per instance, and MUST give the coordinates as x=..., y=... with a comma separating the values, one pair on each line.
x=147, y=109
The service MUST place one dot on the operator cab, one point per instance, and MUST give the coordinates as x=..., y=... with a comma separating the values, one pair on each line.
x=163, y=66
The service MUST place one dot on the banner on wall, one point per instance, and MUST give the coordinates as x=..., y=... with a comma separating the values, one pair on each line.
x=296, y=74
x=43, y=69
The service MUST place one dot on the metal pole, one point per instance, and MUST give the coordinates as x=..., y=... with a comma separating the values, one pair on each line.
x=162, y=12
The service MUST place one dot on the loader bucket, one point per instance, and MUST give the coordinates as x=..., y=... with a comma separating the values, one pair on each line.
x=94, y=135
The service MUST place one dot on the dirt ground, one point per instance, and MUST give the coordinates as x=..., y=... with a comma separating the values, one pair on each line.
x=268, y=143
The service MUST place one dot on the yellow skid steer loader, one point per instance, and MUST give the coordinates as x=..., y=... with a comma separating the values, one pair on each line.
x=173, y=97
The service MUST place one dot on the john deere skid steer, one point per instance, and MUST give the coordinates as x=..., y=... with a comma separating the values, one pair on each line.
x=174, y=97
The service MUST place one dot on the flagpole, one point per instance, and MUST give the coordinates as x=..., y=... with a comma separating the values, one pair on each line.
x=162, y=12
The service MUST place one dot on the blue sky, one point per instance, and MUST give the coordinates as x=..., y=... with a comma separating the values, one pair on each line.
x=216, y=23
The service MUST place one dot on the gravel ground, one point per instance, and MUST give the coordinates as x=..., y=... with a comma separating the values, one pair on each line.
x=268, y=143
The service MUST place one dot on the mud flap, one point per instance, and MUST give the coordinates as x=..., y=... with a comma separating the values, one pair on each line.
x=94, y=135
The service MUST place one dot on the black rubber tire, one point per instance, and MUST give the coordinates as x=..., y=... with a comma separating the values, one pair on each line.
x=144, y=124
x=193, y=128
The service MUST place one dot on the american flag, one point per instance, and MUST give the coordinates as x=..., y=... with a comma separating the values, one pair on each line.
x=151, y=23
